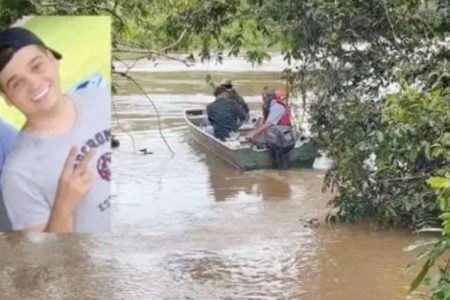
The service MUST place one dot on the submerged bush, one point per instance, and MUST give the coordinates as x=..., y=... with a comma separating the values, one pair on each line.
x=383, y=154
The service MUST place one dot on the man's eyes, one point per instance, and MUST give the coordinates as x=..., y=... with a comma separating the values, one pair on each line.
x=37, y=66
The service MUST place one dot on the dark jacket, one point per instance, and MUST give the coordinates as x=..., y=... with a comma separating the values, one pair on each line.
x=239, y=100
x=224, y=116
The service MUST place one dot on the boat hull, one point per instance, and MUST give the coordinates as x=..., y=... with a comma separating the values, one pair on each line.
x=243, y=156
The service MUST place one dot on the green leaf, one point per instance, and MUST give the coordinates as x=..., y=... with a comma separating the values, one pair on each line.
x=439, y=182
x=418, y=280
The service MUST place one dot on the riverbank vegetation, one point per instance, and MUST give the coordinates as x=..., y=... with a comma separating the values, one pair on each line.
x=379, y=98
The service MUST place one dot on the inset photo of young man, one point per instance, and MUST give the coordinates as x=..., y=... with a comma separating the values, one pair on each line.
x=55, y=125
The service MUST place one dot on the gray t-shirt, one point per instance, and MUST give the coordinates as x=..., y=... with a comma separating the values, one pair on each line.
x=275, y=113
x=32, y=170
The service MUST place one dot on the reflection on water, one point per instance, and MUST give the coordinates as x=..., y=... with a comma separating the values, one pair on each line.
x=228, y=183
x=192, y=227
x=43, y=266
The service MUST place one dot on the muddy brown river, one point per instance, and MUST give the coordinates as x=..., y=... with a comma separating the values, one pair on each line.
x=192, y=227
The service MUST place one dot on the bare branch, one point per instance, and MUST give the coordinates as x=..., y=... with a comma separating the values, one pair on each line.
x=149, y=53
x=176, y=43
x=395, y=38
x=407, y=178
x=131, y=78
x=130, y=66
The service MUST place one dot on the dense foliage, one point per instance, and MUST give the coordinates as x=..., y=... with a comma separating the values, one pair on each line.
x=440, y=282
x=13, y=10
x=392, y=148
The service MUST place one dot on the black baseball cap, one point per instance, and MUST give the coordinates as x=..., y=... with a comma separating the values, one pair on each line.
x=15, y=38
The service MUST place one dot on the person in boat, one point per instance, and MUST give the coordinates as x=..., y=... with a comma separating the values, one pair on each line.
x=234, y=95
x=276, y=132
x=45, y=186
x=224, y=115
x=8, y=135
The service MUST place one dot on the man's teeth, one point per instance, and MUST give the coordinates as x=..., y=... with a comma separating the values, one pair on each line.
x=41, y=94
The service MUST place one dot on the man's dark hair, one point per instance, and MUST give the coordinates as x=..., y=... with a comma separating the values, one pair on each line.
x=219, y=90
x=268, y=92
x=5, y=54
x=14, y=39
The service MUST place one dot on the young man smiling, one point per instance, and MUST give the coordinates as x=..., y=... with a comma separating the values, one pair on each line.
x=43, y=188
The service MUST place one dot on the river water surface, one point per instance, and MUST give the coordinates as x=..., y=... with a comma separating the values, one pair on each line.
x=191, y=227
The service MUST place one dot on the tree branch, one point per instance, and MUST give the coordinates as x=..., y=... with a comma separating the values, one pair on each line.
x=391, y=26
x=149, y=53
x=407, y=178
x=176, y=43
x=131, y=78
x=130, y=66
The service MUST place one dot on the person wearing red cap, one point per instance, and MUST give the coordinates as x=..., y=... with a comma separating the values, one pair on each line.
x=275, y=112
x=276, y=131
x=281, y=96
x=44, y=189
